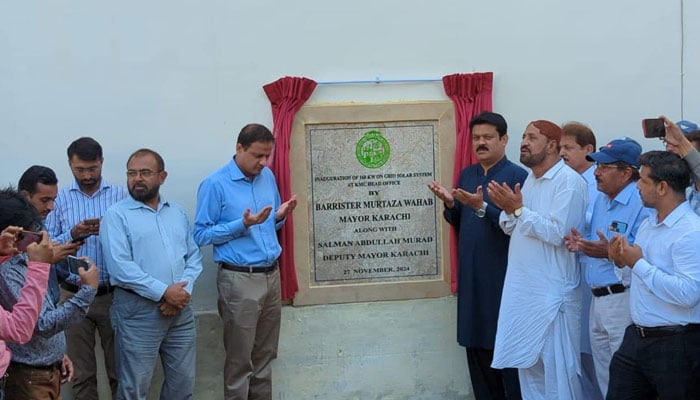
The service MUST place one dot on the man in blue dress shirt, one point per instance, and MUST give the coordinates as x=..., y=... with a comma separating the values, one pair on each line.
x=239, y=211
x=153, y=261
x=483, y=253
x=660, y=353
x=618, y=210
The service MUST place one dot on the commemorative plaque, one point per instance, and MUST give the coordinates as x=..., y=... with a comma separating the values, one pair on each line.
x=366, y=226
x=372, y=217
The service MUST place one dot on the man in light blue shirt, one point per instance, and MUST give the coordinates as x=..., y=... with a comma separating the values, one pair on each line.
x=153, y=261
x=239, y=211
x=618, y=210
x=660, y=353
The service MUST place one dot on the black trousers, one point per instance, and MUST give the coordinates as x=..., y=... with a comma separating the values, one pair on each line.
x=665, y=368
x=490, y=383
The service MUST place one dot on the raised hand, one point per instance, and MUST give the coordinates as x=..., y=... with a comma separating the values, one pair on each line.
x=8, y=239
x=42, y=251
x=597, y=248
x=286, y=208
x=571, y=241
x=442, y=193
x=504, y=197
x=254, y=219
x=473, y=200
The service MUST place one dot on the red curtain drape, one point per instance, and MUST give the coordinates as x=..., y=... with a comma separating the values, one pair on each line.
x=471, y=94
x=287, y=95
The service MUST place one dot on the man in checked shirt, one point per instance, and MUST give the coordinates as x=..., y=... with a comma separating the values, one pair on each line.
x=76, y=217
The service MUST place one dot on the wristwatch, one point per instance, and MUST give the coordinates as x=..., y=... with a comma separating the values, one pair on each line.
x=518, y=212
x=482, y=210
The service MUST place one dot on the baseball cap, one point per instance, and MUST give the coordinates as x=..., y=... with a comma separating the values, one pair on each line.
x=687, y=127
x=624, y=150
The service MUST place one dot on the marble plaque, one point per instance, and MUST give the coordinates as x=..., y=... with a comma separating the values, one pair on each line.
x=372, y=217
x=366, y=227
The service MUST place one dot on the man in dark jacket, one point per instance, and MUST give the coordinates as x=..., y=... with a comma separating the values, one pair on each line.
x=483, y=253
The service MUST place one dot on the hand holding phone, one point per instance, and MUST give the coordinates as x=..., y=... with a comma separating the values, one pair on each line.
x=653, y=128
x=74, y=263
x=92, y=221
x=25, y=238
x=85, y=228
x=41, y=251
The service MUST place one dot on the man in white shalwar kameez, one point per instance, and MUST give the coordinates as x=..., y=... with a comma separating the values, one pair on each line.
x=539, y=323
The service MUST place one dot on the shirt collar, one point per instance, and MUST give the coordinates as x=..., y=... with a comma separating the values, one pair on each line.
x=589, y=175
x=134, y=204
x=674, y=216
x=626, y=193
x=103, y=185
x=234, y=172
x=495, y=167
x=553, y=170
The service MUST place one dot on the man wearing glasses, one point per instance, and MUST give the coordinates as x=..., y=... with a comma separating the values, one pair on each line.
x=618, y=211
x=76, y=217
x=153, y=261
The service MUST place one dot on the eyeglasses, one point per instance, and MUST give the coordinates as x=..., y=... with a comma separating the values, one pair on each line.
x=146, y=173
x=608, y=166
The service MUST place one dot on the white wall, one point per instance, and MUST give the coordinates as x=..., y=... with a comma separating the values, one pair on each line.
x=182, y=76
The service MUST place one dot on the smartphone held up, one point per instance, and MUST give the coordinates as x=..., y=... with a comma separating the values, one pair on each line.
x=74, y=263
x=25, y=238
x=653, y=128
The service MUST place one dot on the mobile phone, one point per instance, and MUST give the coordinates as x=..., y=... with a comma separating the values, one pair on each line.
x=653, y=127
x=25, y=238
x=618, y=227
x=80, y=238
x=74, y=263
x=91, y=221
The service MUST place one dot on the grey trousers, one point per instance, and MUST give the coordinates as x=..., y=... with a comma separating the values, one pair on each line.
x=250, y=309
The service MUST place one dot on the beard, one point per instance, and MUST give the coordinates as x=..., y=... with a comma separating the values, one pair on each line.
x=530, y=159
x=143, y=193
x=87, y=184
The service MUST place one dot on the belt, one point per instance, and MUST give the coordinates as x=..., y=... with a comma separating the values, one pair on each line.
x=50, y=367
x=606, y=290
x=101, y=290
x=659, y=331
x=248, y=268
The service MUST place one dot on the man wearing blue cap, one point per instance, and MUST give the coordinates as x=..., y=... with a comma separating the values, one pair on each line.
x=677, y=142
x=618, y=211
x=691, y=132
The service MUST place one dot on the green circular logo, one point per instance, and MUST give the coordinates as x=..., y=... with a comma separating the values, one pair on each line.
x=372, y=150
